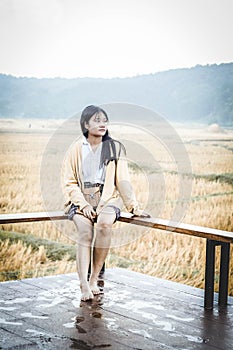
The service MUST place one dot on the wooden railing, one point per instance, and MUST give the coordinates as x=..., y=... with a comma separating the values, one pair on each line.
x=213, y=238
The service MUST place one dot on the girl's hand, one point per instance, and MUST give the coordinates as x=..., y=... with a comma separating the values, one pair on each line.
x=145, y=215
x=89, y=212
x=140, y=213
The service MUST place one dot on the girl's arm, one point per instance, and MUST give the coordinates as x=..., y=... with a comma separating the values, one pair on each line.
x=71, y=186
x=125, y=188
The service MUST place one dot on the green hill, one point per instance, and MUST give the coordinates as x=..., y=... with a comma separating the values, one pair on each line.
x=199, y=94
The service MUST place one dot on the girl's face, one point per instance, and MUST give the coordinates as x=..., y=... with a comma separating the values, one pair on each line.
x=97, y=125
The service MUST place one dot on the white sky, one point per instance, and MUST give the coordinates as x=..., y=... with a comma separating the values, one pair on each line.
x=112, y=38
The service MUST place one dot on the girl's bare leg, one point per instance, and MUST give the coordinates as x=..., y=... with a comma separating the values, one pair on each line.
x=83, y=258
x=101, y=245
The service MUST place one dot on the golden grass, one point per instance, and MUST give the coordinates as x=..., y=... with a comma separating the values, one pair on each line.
x=167, y=255
x=19, y=261
x=216, y=157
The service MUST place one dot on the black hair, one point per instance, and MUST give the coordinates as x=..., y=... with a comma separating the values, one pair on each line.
x=111, y=149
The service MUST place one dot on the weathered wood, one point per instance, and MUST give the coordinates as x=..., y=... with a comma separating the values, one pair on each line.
x=161, y=224
x=136, y=311
x=31, y=217
x=187, y=229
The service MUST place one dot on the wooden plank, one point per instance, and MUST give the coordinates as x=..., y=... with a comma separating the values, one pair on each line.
x=9, y=341
x=191, y=230
x=31, y=217
x=180, y=297
x=185, y=318
x=187, y=229
x=135, y=312
x=46, y=326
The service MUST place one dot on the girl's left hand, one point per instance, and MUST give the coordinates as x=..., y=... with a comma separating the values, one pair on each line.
x=144, y=215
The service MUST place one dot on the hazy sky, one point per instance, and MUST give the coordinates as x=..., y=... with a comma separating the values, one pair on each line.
x=112, y=38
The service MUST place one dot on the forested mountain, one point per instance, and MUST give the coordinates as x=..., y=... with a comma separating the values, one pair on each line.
x=202, y=94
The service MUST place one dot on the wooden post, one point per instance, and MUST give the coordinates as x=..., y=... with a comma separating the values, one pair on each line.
x=224, y=274
x=209, y=274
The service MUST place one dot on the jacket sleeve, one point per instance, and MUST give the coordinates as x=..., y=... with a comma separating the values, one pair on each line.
x=71, y=185
x=125, y=188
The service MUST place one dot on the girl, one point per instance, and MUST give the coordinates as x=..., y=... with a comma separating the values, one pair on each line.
x=96, y=185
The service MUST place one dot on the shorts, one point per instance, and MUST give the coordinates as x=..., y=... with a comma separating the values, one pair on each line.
x=73, y=208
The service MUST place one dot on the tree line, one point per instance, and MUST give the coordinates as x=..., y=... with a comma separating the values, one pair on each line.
x=199, y=94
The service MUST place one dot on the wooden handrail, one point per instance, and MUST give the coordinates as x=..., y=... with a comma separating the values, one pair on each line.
x=161, y=224
x=213, y=238
x=31, y=217
x=187, y=229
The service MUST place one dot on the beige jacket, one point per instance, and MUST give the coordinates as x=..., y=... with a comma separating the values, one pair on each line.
x=117, y=187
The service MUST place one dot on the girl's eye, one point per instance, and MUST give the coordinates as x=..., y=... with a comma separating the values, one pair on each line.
x=98, y=120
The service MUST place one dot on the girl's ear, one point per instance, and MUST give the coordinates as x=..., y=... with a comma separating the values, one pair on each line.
x=86, y=125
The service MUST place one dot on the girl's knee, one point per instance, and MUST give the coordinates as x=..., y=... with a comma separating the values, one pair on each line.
x=106, y=218
x=85, y=237
x=105, y=223
x=85, y=230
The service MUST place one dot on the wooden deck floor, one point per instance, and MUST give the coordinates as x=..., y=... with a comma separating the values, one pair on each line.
x=136, y=311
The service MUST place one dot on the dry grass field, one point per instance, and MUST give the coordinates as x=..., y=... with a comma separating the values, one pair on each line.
x=166, y=255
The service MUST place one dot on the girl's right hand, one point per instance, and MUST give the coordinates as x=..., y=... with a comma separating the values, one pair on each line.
x=89, y=212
